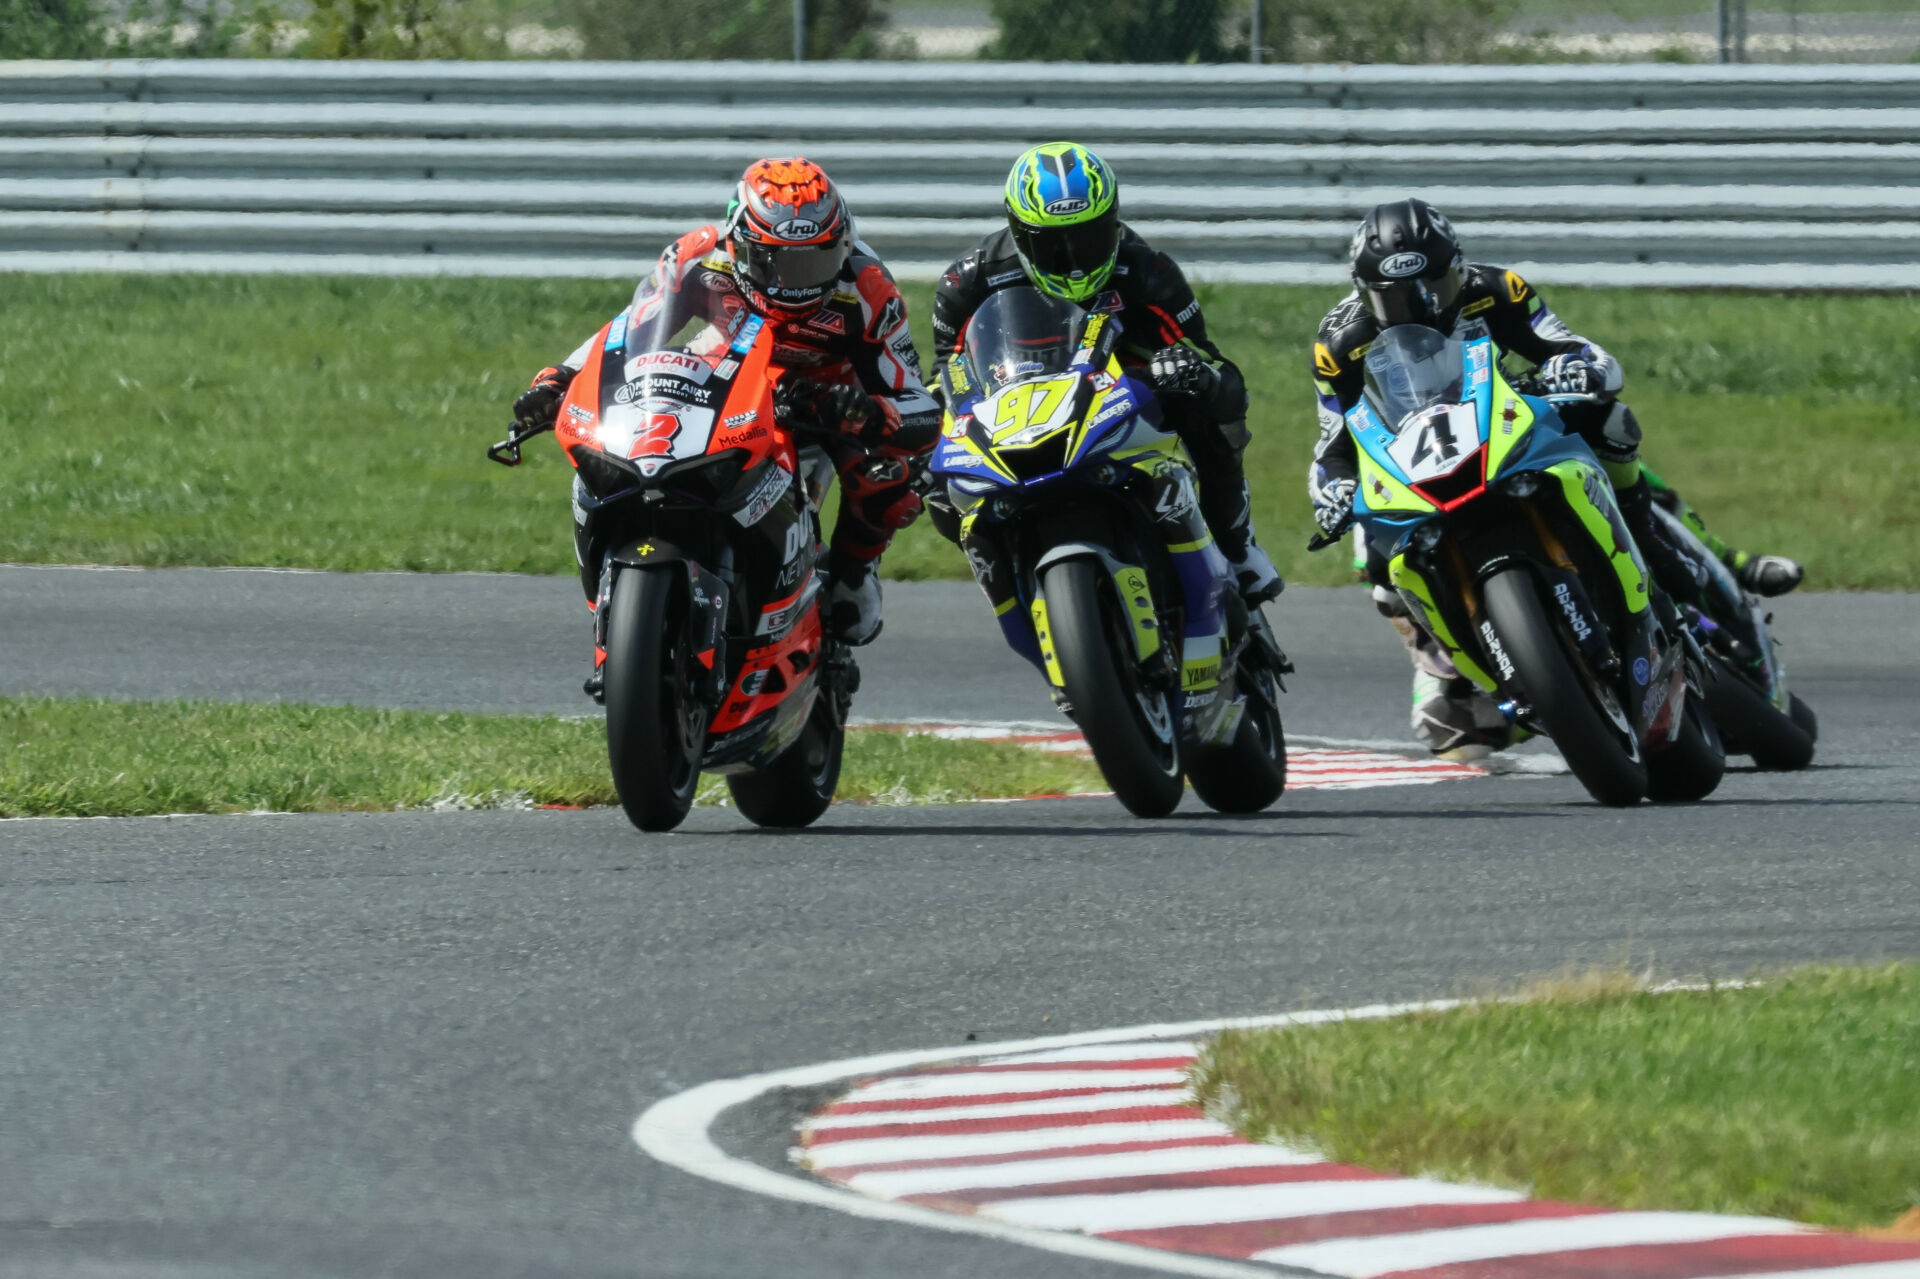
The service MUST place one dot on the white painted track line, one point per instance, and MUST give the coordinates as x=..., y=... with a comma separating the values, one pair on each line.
x=1383, y=1254
x=892, y=1150
x=999, y=1110
x=1212, y=1206
x=1100, y=1052
x=1012, y=1081
x=1036, y=1172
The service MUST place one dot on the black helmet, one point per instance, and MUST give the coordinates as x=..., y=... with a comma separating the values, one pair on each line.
x=1407, y=264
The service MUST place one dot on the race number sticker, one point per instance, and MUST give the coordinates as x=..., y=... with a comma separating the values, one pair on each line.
x=1438, y=443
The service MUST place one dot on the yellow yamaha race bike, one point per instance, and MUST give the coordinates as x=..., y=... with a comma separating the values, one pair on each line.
x=1504, y=540
x=1080, y=517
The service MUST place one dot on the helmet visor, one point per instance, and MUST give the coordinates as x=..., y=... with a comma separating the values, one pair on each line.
x=794, y=273
x=1080, y=249
x=1413, y=301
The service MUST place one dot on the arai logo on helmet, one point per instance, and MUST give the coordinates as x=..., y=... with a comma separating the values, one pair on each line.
x=1401, y=265
x=1060, y=208
x=797, y=229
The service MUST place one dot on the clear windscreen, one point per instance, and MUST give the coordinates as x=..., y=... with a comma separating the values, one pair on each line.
x=1411, y=368
x=1018, y=334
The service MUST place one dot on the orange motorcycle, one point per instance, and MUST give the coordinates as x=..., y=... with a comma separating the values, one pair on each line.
x=716, y=657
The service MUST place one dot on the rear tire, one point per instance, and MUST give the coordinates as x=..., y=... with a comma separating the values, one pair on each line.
x=798, y=786
x=1586, y=736
x=1250, y=772
x=1777, y=742
x=656, y=729
x=1134, y=732
x=1691, y=766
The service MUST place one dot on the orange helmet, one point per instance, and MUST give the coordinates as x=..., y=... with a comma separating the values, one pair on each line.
x=789, y=233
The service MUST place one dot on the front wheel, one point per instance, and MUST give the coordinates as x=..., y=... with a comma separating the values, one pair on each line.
x=1593, y=736
x=656, y=728
x=1250, y=772
x=1131, y=728
x=1692, y=764
x=796, y=788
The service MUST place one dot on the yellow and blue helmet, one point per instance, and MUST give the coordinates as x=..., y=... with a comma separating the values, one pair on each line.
x=1063, y=208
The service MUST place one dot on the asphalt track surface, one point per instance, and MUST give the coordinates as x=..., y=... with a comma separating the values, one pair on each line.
x=412, y=1044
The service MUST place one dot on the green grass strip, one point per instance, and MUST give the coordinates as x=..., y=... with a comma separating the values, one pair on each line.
x=1798, y=1098
x=339, y=423
x=72, y=758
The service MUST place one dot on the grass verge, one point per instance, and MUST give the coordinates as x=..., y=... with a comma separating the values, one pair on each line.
x=340, y=423
x=1796, y=1098
x=70, y=758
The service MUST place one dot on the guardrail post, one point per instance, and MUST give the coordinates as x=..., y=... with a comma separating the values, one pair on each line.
x=1254, y=36
x=1732, y=16
x=800, y=30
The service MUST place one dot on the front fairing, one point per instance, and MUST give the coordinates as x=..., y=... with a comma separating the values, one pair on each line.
x=1031, y=433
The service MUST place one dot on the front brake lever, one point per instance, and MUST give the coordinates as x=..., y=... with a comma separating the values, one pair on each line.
x=507, y=451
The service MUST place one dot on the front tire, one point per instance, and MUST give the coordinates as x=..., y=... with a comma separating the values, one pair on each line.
x=1133, y=730
x=1594, y=744
x=1691, y=766
x=656, y=728
x=1250, y=772
x=798, y=786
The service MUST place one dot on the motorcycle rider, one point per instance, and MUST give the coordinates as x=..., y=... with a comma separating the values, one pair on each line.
x=1065, y=238
x=787, y=250
x=1408, y=268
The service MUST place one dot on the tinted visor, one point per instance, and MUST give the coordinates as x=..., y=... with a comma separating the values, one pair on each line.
x=1413, y=301
x=785, y=272
x=1084, y=247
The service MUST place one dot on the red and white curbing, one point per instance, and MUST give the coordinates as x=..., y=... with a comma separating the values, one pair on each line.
x=1311, y=767
x=1104, y=1140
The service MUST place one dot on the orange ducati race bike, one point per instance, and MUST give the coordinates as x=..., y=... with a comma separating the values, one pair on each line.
x=706, y=498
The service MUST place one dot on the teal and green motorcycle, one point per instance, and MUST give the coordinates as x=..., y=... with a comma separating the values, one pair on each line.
x=1079, y=514
x=1504, y=540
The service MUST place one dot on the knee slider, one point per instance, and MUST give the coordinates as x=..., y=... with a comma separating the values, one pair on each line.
x=1619, y=435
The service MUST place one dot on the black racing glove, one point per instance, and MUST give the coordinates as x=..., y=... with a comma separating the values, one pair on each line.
x=1182, y=370
x=838, y=409
x=539, y=403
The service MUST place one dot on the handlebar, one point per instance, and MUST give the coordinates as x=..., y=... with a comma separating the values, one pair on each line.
x=507, y=451
x=1321, y=541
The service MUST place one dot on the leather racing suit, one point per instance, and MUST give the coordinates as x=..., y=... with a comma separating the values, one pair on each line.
x=858, y=337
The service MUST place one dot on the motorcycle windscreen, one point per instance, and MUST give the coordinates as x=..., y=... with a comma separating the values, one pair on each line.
x=1411, y=368
x=1018, y=334
x=669, y=378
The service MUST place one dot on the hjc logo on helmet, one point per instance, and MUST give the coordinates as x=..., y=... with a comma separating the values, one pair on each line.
x=1060, y=208
x=1401, y=265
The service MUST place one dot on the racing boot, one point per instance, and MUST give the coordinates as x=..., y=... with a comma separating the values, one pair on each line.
x=1231, y=523
x=1451, y=716
x=1767, y=575
x=853, y=601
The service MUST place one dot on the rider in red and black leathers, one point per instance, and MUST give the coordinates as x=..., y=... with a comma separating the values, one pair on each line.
x=841, y=333
x=1164, y=337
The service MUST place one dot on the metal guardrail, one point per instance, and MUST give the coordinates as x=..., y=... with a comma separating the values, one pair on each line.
x=1799, y=176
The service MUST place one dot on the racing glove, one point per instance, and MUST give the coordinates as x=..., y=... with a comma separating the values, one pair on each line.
x=1333, y=507
x=539, y=402
x=1569, y=375
x=839, y=409
x=1181, y=369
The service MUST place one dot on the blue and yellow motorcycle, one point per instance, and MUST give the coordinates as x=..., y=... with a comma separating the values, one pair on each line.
x=1503, y=539
x=1080, y=517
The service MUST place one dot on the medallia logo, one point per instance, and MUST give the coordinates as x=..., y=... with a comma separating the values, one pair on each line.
x=1401, y=265
x=1060, y=208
